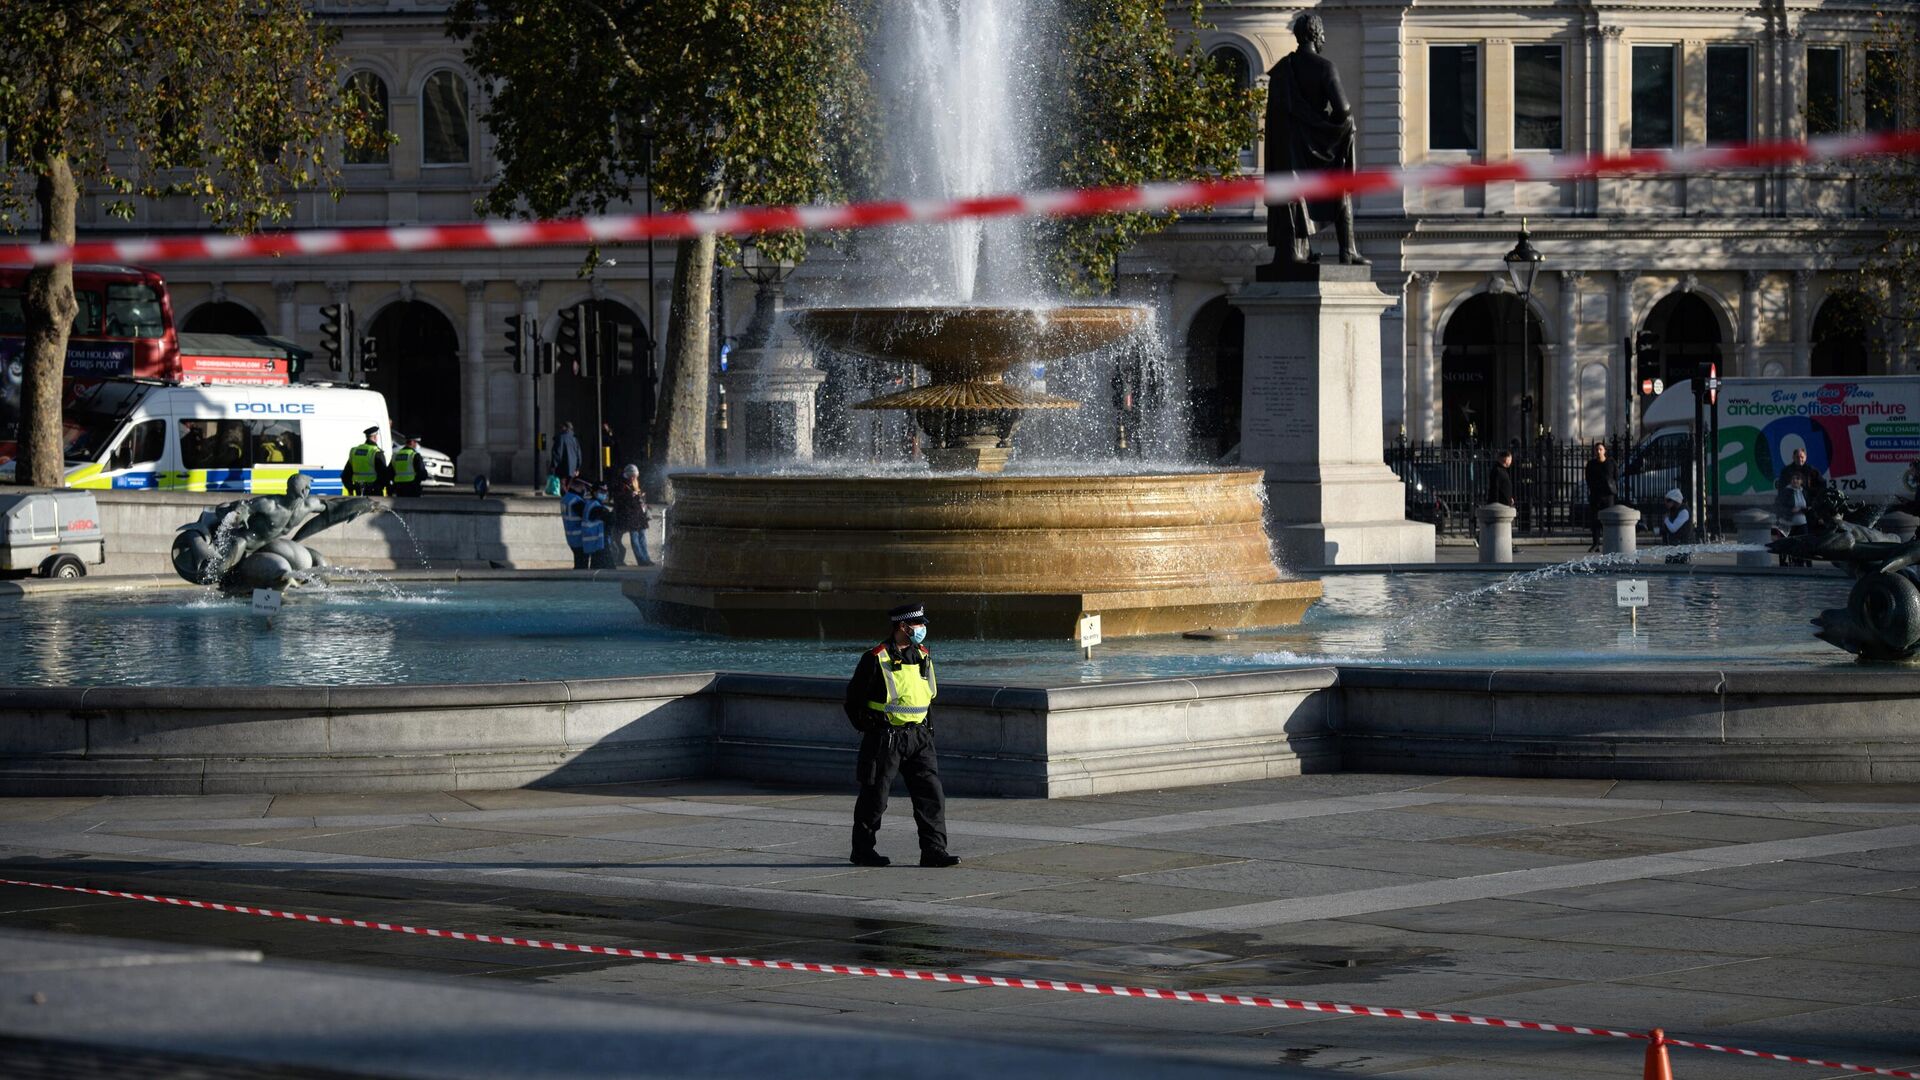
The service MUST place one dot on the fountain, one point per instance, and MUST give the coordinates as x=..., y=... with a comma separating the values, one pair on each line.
x=996, y=554
x=255, y=543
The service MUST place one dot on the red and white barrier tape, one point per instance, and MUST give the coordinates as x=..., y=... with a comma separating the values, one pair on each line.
x=1277, y=188
x=1199, y=998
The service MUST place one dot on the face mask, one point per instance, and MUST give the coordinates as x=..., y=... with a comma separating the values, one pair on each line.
x=919, y=634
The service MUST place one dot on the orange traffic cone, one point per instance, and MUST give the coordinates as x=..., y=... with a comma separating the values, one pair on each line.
x=1657, y=1067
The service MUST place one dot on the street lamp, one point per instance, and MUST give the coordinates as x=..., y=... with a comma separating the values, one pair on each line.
x=769, y=276
x=1523, y=266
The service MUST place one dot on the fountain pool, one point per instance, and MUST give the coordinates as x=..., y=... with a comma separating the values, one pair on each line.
x=422, y=632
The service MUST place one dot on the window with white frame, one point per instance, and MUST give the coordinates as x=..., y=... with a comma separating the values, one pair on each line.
x=1539, y=97
x=1729, y=93
x=1453, y=97
x=1655, y=96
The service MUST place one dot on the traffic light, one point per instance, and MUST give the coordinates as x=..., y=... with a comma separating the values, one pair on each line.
x=624, y=341
x=333, y=331
x=567, y=339
x=516, y=341
x=369, y=355
x=546, y=352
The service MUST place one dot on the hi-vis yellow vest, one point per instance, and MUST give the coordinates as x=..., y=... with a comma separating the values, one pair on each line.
x=405, y=465
x=365, y=473
x=908, y=694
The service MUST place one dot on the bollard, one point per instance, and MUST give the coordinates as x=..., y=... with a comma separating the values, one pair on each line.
x=1754, y=527
x=1496, y=533
x=1617, y=527
x=1899, y=523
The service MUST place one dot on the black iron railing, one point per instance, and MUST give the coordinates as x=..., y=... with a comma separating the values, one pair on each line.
x=1446, y=484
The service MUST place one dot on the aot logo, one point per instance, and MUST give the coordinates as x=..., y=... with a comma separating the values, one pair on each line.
x=274, y=408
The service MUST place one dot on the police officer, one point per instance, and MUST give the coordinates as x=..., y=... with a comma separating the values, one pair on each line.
x=366, y=469
x=407, y=471
x=887, y=700
x=573, y=519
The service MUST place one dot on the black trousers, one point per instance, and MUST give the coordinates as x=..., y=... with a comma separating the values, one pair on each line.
x=908, y=751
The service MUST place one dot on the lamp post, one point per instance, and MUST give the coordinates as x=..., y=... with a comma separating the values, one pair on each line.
x=1523, y=266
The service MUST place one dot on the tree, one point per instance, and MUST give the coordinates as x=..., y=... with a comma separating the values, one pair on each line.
x=728, y=101
x=1134, y=105
x=231, y=103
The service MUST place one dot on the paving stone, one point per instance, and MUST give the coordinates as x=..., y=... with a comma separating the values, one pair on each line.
x=742, y=835
x=906, y=881
x=1504, y=785
x=1805, y=877
x=1874, y=793
x=1522, y=814
x=1725, y=934
x=397, y=842
x=1906, y=858
x=1089, y=860
x=529, y=798
x=1857, y=912
x=1719, y=828
x=1440, y=858
x=730, y=867
x=1670, y=897
x=1794, y=977
x=1275, y=880
x=1561, y=960
x=421, y=802
x=1707, y=791
x=1112, y=899
x=14, y=811
x=173, y=807
x=1581, y=842
x=585, y=854
x=599, y=826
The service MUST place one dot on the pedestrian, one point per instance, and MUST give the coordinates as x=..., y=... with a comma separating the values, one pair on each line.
x=1500, y=479
x=565, y=461
x=408, y=473
x=1811, y=481
x=888, y=700
x=630, y=517
x=1791, y=504
x=599, y=512
x=366, y=470
x=1601, y=490
x=1676, y=526
x=584, y=535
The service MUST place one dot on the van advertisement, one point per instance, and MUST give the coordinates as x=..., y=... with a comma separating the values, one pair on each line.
x=1860, y=434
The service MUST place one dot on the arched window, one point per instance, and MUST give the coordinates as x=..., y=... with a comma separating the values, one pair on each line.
x=1233, y=63
x=371, y=89
x=444, y=137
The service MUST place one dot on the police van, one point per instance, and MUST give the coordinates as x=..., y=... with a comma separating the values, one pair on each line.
x=139, y=434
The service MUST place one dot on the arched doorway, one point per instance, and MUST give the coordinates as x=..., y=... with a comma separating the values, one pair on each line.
x=1685, y=335
x=419, y=372
x=1846, y=341
x=624, y=401
x=1489, y=387
x=1216, y=343
x=223, y=317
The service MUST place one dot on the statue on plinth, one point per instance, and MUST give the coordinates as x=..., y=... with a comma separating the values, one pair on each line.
x=1309, y=129
x=255, y=543
x=1882, y=618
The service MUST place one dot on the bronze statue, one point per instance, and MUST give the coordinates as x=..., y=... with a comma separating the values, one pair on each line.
x=1882, y=618
x=1309, y=129
x=255, y=543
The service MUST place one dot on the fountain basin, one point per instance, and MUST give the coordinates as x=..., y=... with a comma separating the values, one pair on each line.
x=991, y=556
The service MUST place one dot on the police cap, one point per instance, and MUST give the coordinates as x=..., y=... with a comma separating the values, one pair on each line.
x=908, y=613
x=371, y=432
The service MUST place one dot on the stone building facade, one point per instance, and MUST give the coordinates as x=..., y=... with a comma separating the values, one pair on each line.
x=1744, y=269
x=1736, y=268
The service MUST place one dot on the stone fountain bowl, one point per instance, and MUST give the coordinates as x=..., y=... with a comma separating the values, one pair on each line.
x=959, y=343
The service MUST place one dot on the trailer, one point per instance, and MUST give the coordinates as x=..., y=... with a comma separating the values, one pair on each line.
x=55, y=534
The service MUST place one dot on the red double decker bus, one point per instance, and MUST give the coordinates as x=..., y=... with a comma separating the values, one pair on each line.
x=125, y=329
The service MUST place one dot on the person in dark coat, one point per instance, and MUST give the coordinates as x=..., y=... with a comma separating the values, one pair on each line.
x=1500, y=479
x=1676, y=525
x=630, y=517
x=565, y=462
x=1602, y=491
x=1309, y=129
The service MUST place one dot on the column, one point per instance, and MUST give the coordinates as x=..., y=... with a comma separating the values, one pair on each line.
x=1623, y=332
x=1794, y=117
x=1566, y=411
x=289, y=314
x=473, y=377
x=1423, y=418
x=529, y=391
x=1605, y=104
x=1802, y=323
x=1749, y=351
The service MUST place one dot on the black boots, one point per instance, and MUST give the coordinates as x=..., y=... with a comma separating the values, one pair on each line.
x=938, y=859
x=869, y=858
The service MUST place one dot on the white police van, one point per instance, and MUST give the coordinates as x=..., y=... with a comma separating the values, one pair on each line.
x=128, y=433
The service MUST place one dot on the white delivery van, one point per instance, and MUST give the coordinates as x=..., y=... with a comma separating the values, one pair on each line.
x=124, y=433
x=1860, y=433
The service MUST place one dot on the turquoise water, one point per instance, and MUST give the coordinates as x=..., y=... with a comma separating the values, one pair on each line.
x=418, y=632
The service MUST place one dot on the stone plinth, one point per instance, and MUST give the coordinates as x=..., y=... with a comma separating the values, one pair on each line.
x=1619, y=528
x=1310, y=418
x=1496, y=533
